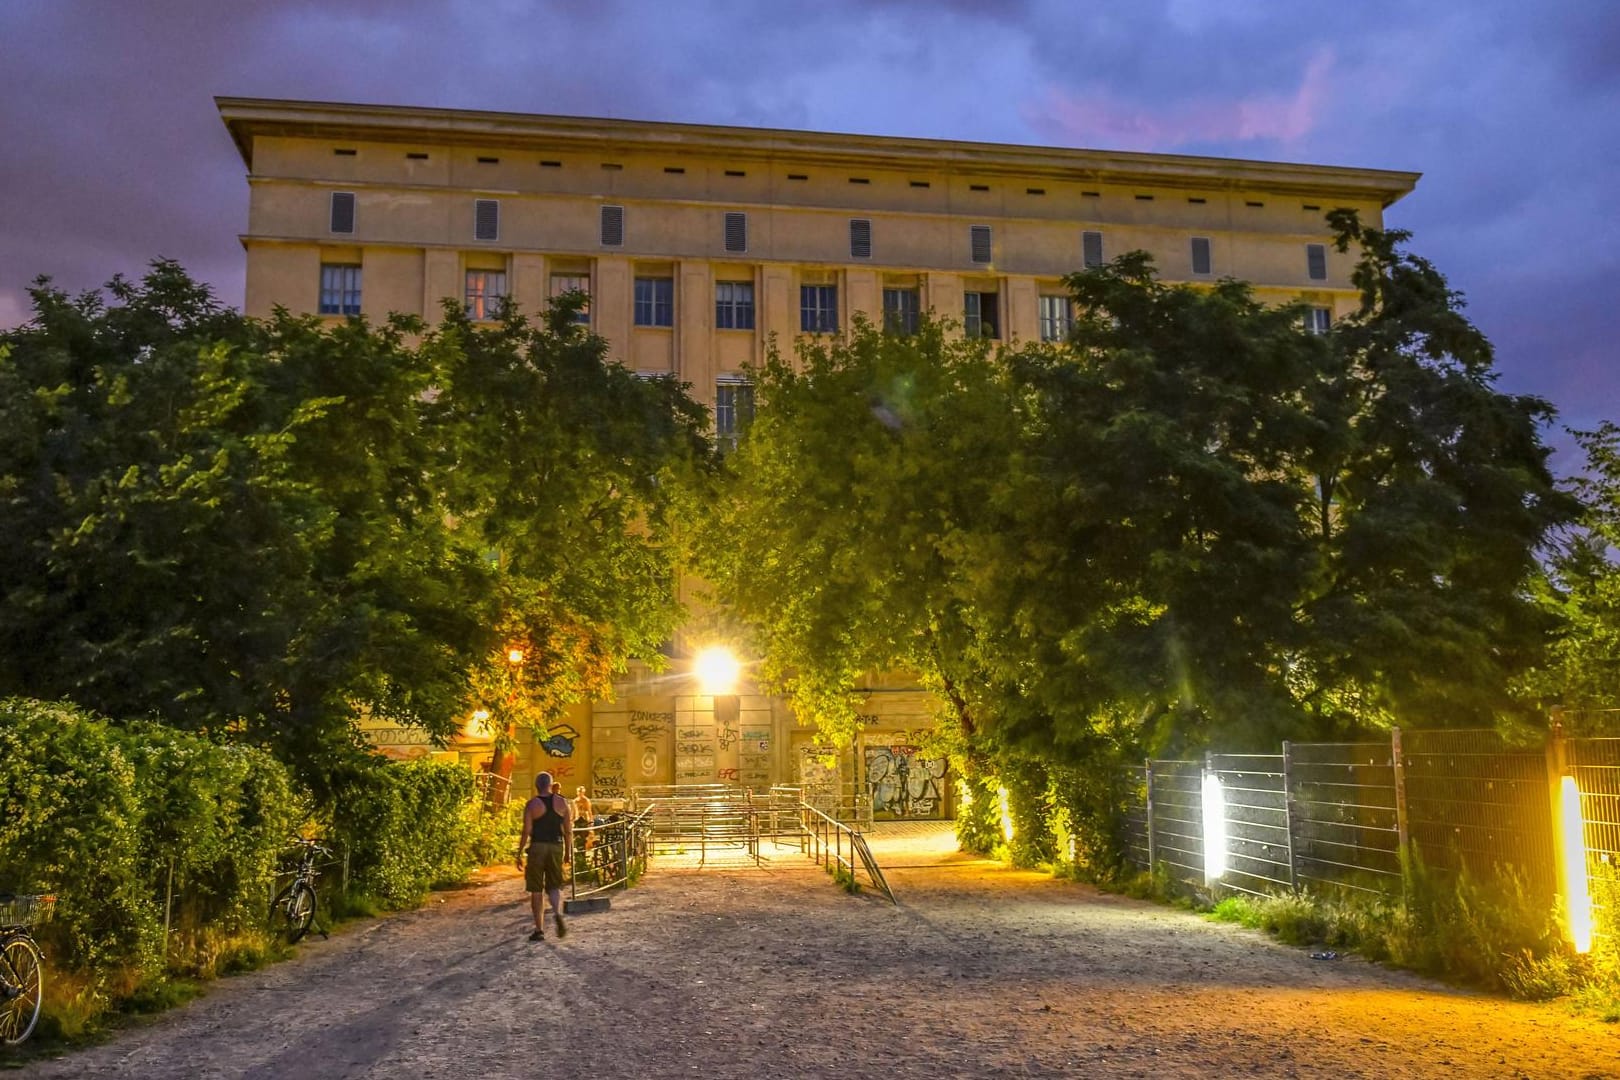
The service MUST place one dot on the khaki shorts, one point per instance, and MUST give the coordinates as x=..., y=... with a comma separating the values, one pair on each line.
x=544, y=870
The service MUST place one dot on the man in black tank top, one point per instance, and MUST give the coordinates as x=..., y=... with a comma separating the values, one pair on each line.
x=548, y=839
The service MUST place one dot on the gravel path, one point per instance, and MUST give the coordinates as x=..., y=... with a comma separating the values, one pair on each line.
x=983, y=972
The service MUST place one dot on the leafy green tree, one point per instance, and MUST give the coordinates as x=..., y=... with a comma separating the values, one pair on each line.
x=256, y=527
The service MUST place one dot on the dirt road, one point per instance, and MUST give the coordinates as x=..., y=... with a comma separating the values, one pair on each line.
x=982, y=972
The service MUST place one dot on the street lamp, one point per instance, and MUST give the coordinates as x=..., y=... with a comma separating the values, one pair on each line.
x=717, y=670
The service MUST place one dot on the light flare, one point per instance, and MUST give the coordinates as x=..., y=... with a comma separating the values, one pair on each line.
x=1214, y=829
x=1577, y=892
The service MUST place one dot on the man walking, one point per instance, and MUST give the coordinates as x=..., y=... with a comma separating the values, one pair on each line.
x=548, y=836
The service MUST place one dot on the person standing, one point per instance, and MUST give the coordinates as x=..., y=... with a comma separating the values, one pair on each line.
x=548, y=838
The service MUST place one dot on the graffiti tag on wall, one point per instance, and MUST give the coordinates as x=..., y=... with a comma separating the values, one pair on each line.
x=607, y=777
x=649, y=725
x=904, y=784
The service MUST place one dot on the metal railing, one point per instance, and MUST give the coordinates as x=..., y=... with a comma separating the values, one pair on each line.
x=833, y=843
x=611, y=855
x=699, y=815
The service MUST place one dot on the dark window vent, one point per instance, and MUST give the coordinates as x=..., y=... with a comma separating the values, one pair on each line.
x=1092, y=194
x=612, y=226
x=343, y=211
x=859, y=180
x=612, y=166
x=1091, y=249
x=979, y=241
x=920, y=183
x=551, y=164
x=735, y=172
x=1309, y=206
x=1256, y=205
x=344, y=152
x=978, y=187
x=860, y=238
x=736, y=232
x=1034, y=191
x=797, y=176
x=674, y=169
x=1200, y=255
x=1316, y=261
x=417, y=156
x=489, y=161
x=1197, y=200
x=1144, y=198
x=486, y=219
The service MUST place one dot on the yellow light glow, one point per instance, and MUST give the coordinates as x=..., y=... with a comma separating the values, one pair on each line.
x=1577, y=894
x=964, y=795
x=1006, y=814
x=1214, y=829
x=716, y=670
x=481, y=715
x=514, y=656
x=477, y=726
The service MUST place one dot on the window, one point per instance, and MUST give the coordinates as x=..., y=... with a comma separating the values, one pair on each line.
x=900, y=310
x=981, y=314
x=340, y=289
x=1200, y=255
x=860, y=238
x=733, y=409
x=486, y=219
x=818, y=309
x=734, y=305
x=736, y=232
x=563, y=284
x=612, y=226
x=655, y=301
x=1316, y=261
x=1318, y=320
x=979, y=237
x=486, y=293
x=1057, y=316
x=1091, y=253
x=343, y=211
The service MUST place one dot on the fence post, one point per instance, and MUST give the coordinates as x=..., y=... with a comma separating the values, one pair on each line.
x=1557, y=765
x=1153, y=851
x=1402, y=834
x=1288, y=812
x=168, y=911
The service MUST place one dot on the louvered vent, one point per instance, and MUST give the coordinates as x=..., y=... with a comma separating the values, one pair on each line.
x=1091, y=249
x=1316, y=261
x=736, y=232
x=860, y=238
x=1200, y=255
x=486, y=219
x=613, y=226
x=981, y=243
x=343, y=211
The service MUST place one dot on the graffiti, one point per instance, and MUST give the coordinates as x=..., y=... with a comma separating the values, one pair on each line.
x=649, y=762
x=398, y=736
x=559, y=742
x=648, y=725
x=903, y=784
x=728, y=735
x=867, y=719
x=691, y=733
x=727, y=774
x=694, y=748
x=607, y=776
x=559, y=772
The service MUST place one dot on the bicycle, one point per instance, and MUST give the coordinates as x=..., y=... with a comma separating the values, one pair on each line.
x=22, y=965
x=297, y=902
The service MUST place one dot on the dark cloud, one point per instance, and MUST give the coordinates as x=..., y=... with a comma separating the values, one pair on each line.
x=113, y=152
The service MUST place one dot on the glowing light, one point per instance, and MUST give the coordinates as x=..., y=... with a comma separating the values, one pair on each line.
x=514, y=656
x=1577, y=894
x=477, y=727
x=1006, y=814
x=717, y=670
x=964, y=795
x=1214, y=829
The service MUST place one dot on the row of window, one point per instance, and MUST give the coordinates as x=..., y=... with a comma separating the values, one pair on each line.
x=486, y=292
x=487, y=217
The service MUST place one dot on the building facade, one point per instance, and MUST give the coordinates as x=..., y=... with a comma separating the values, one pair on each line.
x=699, y=245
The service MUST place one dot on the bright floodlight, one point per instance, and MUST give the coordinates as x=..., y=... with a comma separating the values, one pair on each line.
x=716, y=670
x=1577, y=893
x=1214, y=829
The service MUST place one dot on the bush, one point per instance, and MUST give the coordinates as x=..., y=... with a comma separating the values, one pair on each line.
x=978, y=811
x=406, y=828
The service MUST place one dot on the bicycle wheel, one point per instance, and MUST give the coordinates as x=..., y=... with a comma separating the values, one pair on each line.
x=22, y=988
x=300, y=910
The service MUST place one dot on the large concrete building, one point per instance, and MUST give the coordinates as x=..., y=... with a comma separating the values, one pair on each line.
x=699, y=244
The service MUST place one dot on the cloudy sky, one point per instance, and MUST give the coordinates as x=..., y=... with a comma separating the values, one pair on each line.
x=111, y=151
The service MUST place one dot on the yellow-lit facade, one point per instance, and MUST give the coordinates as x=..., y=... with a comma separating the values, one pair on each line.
x=699, y=245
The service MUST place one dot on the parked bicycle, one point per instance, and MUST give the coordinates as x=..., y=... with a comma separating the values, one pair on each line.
x=296, y=904
x=22, y=965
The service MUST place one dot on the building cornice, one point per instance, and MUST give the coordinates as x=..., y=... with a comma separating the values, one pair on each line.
x=247, y=118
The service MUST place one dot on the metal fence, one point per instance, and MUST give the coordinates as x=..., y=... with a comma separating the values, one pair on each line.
x=1337, y=816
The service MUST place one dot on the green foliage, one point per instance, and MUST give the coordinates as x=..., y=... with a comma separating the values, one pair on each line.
x=1031, y=807
x=255, y=527
x=844, y=879
x=406, y=828
x=978, y=811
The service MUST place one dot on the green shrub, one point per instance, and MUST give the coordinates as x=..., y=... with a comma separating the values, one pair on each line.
x=1030, y=806
x=978, y=811
x=406, y=828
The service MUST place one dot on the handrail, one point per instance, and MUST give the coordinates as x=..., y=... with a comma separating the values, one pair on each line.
x=613, y=861
x=821, y=826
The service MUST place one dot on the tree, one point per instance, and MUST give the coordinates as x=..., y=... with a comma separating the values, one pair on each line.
x=256, y=527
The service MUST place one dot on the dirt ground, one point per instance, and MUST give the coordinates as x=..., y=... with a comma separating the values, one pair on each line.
x=980, y=972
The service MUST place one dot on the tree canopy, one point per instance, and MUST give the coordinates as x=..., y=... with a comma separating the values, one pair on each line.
x=261, y=527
